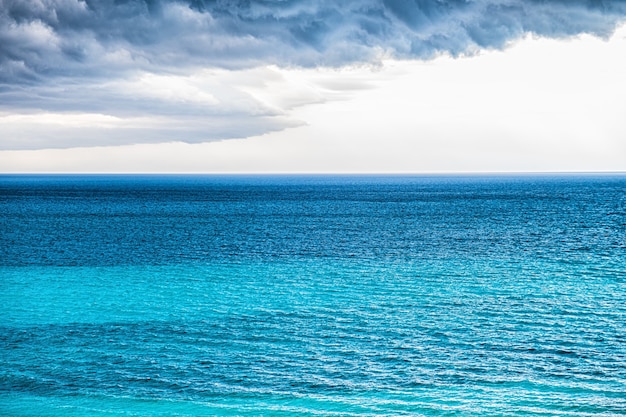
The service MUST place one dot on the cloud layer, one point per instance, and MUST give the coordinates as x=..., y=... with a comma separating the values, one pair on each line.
x=71, y=38
x=97, y=56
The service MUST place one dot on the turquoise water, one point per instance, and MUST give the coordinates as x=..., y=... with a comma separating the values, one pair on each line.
x=313, y=296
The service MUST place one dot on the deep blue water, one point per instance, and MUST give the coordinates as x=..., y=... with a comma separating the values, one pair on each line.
x=313, y=295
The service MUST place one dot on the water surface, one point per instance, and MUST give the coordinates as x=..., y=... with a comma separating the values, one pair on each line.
x=313, y=295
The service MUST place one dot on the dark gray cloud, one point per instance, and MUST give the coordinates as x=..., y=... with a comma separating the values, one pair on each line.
x=40, y=39
x=62, y=55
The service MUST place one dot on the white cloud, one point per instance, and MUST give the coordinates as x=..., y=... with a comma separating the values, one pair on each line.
x=173, y=89
x=541, y=105
x=197, y=106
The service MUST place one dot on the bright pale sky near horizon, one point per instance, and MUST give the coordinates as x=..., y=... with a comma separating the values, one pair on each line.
x=396, y=86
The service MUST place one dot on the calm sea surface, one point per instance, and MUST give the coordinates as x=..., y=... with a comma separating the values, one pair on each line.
x=313, y=295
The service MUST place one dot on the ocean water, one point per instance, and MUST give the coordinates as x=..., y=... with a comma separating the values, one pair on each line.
x=313, y=295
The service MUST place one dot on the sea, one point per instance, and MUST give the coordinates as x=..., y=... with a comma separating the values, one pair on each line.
x=313, y=295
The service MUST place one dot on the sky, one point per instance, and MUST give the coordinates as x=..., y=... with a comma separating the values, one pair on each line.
x=308, y=86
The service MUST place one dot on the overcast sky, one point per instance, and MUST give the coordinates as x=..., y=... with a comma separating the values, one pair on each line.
x=312, y=86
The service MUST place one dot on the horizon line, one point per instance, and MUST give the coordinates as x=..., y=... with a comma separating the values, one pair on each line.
x=311, y=173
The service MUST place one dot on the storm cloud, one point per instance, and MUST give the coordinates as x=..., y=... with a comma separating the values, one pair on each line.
x=73, y=55
x=71, y=38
